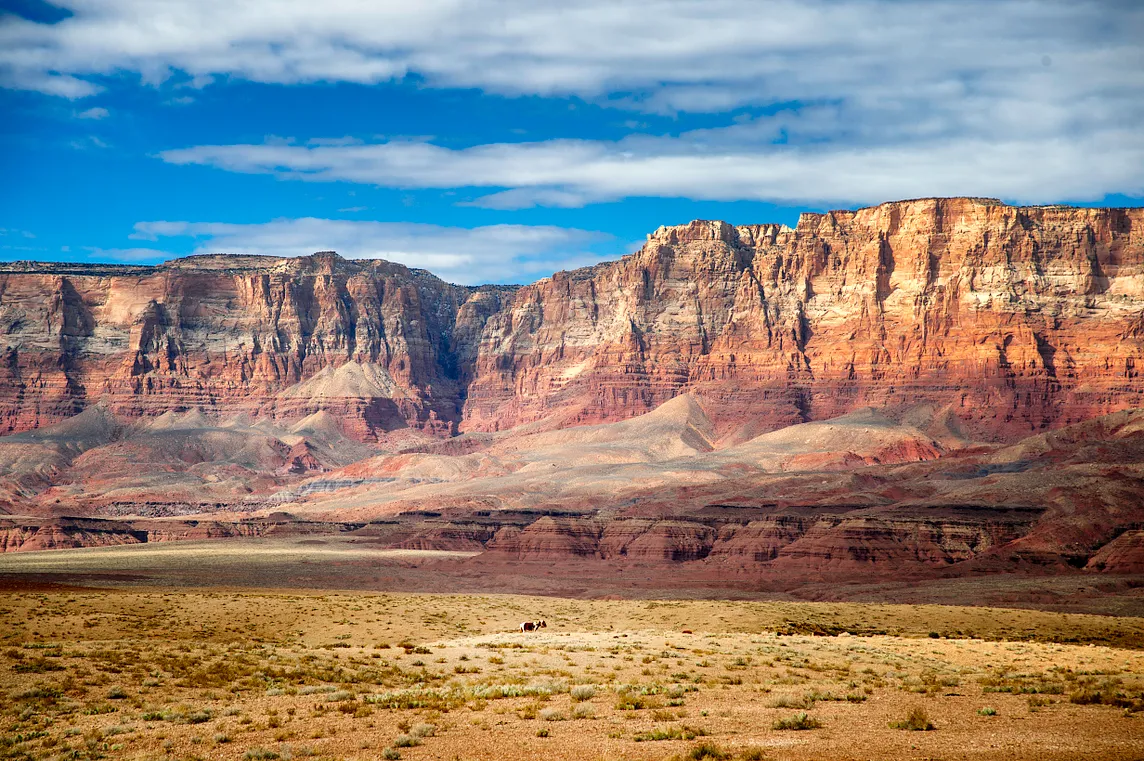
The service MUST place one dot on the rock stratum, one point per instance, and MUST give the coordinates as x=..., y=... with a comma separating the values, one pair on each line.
x=940, y=383
x=1012, y=319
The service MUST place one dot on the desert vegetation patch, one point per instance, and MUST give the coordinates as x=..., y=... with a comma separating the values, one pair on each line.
x=89, y=675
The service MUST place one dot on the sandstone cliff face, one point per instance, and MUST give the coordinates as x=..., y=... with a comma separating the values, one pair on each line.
x=1006, y=320
x=1013, y=318
x=371, y=341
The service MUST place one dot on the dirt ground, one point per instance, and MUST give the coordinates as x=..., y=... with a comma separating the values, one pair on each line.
x=328, y=562
x=257, y=676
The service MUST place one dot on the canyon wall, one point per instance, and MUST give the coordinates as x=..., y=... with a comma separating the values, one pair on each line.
x=1011, y=319
x=375, y=342
x=996, y=319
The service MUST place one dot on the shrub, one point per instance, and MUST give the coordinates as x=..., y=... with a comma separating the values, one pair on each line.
x=424, y=730
x=1107, y=693
x=797, y=722
x=752, y=754
x=260, y=754
x=406, y=741
x=542, y=732
x=36, y=666
x=583, y=712
x=391, y=754
x=916, y=721
x=707, y=752
x=552, y=714
x=671, y=733
x=582, y=692
x=790, y=701
x=316, y=688
x=987, y=711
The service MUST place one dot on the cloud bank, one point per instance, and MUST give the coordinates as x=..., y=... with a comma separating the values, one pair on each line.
x=494, y=253
x=571, y=173
x=848, y=101
x=675, y=54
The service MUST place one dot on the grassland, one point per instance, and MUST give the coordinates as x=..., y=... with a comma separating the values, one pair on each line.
x=258, y=676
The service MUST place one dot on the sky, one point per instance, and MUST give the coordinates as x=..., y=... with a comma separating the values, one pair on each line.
x=502, y=140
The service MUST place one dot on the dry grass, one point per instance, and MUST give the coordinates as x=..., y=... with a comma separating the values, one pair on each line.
x=87, y=675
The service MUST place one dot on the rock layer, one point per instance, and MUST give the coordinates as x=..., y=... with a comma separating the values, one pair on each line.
x=1004, y=319
x=1012, y=318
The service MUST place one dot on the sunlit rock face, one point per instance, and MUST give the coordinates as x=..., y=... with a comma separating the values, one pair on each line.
x=981, y=319
x=1008, y=319
x=377, y=343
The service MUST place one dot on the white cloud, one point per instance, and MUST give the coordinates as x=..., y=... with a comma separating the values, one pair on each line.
x=664, y=54
x=717, y=165
x=1026, y=99
x=94, y=113
x=84, y=143
x=13, y=231
x=495, y=253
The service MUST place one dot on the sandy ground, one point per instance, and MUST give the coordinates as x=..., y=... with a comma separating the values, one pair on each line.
x=143, y=674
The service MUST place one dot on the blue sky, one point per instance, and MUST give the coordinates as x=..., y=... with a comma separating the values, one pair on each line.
x=498, y=141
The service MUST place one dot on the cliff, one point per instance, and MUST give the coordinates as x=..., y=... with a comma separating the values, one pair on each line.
x=1012, y=319
x=380, y=345
x=997, y=320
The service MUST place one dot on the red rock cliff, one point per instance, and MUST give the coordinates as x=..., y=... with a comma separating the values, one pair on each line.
x=375, y=341
x=1014, y=318
x=1011, y=319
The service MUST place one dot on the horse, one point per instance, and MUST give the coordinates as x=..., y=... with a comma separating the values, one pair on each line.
x=531, y=626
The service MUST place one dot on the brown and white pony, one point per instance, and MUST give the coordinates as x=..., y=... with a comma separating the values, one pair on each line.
x=531, y=626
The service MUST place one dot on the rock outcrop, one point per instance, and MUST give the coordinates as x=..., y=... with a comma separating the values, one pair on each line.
x=29, y=534
x=1012, y=318
x=1003, y=320
x=808, y=541
x=375, y=343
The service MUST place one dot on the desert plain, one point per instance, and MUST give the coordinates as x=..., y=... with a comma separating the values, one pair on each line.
x=99, y=659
